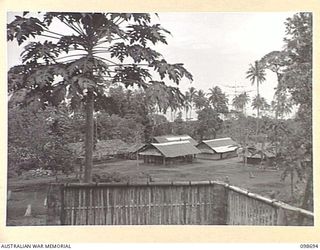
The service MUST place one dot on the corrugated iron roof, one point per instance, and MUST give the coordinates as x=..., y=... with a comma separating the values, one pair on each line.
x=225, y=149
x=171, y=138
x=221, y=145
x=174, y=149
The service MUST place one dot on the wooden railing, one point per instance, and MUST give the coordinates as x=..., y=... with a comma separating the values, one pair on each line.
x=176, y=203
x=246, y=208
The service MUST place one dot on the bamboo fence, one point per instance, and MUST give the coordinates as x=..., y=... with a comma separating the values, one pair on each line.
x=175, y=203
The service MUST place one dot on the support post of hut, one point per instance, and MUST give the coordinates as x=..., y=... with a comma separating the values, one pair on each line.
x=246, y=149
x=164, y=160
x=137, y=158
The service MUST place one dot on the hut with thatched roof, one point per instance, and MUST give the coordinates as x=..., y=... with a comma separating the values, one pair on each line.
x=260, y=152
x=104, y=150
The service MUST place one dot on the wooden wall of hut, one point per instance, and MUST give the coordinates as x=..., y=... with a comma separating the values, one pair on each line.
x=160, y=160
x=217, y=156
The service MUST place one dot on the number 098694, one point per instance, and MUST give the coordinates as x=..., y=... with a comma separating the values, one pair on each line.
x=309, y=246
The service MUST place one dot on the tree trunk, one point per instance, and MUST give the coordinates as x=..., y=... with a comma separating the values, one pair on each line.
x=258, y=112
x=89, y=138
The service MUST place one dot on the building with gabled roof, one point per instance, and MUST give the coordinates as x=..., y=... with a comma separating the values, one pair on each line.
x=217, y=148
x=172, y=138
x=169, y=152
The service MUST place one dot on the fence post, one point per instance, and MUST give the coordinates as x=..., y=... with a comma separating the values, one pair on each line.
x=62, y=211
x=53, y=208
x=226, y=209
x=281, y=217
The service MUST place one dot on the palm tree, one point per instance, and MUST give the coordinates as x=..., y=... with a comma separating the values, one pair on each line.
x=187, y=103
x=240, y=101
x=192, y=93
x=218, y=100
x=200, y=100
x=256, y=73
x=260, y=103
x=175, y=102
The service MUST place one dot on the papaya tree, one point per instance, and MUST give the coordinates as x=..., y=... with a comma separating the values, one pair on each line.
x=75, y=57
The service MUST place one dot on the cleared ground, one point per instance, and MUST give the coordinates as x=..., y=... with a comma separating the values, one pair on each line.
x=262, y=181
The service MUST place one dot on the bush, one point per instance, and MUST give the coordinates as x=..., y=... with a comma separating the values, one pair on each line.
x=111, y=177
x=33, y=142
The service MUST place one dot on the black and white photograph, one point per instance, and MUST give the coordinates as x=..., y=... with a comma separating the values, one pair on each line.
x=167, y=118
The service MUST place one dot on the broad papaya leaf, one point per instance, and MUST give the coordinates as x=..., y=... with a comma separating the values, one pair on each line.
x=46, y=51
x=131, y=75
x=143, y=33
x=119, y=50
x=67, y=42
x=174, y=71
x=22, y=28
x=141, y=17
x=139, y=53
x=137, y=17
x=108, y=30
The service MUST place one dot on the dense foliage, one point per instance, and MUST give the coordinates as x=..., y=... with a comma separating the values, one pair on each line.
x=293, y=67
x=36, y=141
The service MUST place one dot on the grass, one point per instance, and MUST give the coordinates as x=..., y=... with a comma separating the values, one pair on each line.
x=33, y=191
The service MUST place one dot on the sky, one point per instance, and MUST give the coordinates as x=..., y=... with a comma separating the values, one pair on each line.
x=217, y=48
